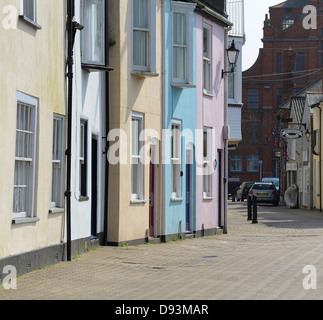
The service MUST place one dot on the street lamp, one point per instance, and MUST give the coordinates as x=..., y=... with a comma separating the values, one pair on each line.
x=233, y=54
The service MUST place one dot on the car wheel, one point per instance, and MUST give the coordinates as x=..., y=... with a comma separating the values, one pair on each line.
x=242, y=199
x=275, y=204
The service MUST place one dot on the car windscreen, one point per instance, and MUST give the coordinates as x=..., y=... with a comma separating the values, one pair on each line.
x=261, y=186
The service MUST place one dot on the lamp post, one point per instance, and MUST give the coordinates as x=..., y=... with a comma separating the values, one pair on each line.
x=233, y=54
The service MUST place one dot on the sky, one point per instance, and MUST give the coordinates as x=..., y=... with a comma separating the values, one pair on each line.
x=255, y=11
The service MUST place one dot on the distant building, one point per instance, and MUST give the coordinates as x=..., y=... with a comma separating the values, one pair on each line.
x=290, y=59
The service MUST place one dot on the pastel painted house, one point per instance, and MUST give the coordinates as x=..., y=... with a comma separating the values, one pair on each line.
x=210, y=120
x=179, y=120
x=135, y=116
x=33, y=118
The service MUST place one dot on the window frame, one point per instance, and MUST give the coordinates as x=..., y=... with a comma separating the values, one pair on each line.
x=83, y=159
x=150, y=51
x=137, y=159
x=253, y=159
x=176, y=159
x=237, y=159
x=299, y=61
x=207, y=60
x=58, y=200
x=187, y=9
x=23, y=15
x=254, y=104
x=207, y=162
x=95, y=65
x=24, y=100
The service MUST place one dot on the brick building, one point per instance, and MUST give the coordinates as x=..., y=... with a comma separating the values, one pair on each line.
x=291, y=58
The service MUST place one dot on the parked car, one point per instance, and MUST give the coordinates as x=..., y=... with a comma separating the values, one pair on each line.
x=275, y=181
x=242, y=190
x=266, y=192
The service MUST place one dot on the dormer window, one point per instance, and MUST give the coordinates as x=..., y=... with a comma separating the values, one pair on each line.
x=287, y=20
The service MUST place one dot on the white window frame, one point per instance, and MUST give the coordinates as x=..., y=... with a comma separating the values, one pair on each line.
x=187, y=9
x=150, y=38
x=83, y=156
x=57, y=179
x=207, y=162
x=136, y=158
x=88, y=41
x=33, y=9
x=26, y=102
x=176, y=156
x=207, y=60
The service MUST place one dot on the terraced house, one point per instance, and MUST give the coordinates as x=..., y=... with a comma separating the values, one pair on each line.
x=116, y=125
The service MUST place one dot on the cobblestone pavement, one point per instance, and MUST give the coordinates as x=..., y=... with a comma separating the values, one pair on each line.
x=253, y=261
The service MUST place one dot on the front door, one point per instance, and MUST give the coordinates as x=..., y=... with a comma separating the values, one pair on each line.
x=188, y=196
x=94, y=187
x=151, y=199
x=220, y=182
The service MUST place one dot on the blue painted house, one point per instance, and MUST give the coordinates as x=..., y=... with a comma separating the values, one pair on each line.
x=179, y=53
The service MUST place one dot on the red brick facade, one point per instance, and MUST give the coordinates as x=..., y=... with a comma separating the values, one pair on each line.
x=289, y=60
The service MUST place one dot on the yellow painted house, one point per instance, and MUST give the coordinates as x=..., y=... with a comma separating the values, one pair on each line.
x=135, y=35
x=32, y=122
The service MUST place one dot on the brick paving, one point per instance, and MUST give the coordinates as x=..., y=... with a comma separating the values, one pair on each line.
x=253, y=261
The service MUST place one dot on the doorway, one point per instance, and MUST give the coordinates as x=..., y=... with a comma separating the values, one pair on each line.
x=189, y=189
x=94, y=187
x=220, y=181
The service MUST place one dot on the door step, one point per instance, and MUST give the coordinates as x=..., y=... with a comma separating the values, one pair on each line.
x=189, y=235
x=153, y=240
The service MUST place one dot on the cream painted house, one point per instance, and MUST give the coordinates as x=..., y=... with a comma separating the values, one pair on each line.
x=32, y=122
x=135, y=107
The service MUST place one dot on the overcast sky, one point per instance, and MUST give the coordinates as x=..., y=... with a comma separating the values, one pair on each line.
x=255, y=11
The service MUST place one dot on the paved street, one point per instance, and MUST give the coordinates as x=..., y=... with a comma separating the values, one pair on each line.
x=252, y=261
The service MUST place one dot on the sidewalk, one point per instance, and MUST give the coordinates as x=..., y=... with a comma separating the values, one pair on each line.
x=253, y=261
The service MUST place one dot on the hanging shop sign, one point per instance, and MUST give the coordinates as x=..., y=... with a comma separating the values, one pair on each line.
x=290, y=133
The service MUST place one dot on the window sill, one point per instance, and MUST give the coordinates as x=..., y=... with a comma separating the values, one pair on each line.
x=83, y=198
x=56, y=210
x=30, y=22
x=145, y=74
x=175, y=199
x=95, y=67
x=208, y=94
x=24, y=220
x=137, y=201
x=183, y=85
x=207, y=198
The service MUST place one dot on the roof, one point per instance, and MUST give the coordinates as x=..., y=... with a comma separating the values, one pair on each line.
x=291, y=4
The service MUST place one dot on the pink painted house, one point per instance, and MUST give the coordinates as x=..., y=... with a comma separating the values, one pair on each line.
x=210, y=138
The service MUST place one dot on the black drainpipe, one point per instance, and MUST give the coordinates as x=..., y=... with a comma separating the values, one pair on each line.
x=68, y=153
x=320, y=154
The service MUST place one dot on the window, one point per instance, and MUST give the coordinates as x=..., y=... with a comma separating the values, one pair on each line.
x=299, y=62
x=253, y=132
x=93, y=34
x=83, y=158
x=279, y=62
x=176, y=160
x=279, y=97
x=207, y=65
x=144, y=35
x=253, y=163
x=207, y=162
x=137, y=174
x=29, y=9
x=182, y=42
x=57, y=198
x=236, y=163
x=287, y=20
x=231, y=89
x=253, y=99
x=25, y=156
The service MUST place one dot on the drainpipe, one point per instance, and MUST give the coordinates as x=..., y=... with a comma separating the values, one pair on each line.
x=70, y=32
x=226, y=156
x=163, y=121
x=320, y=154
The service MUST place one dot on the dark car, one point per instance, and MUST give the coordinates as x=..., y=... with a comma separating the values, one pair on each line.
x=266, y=192
x=243, y=190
